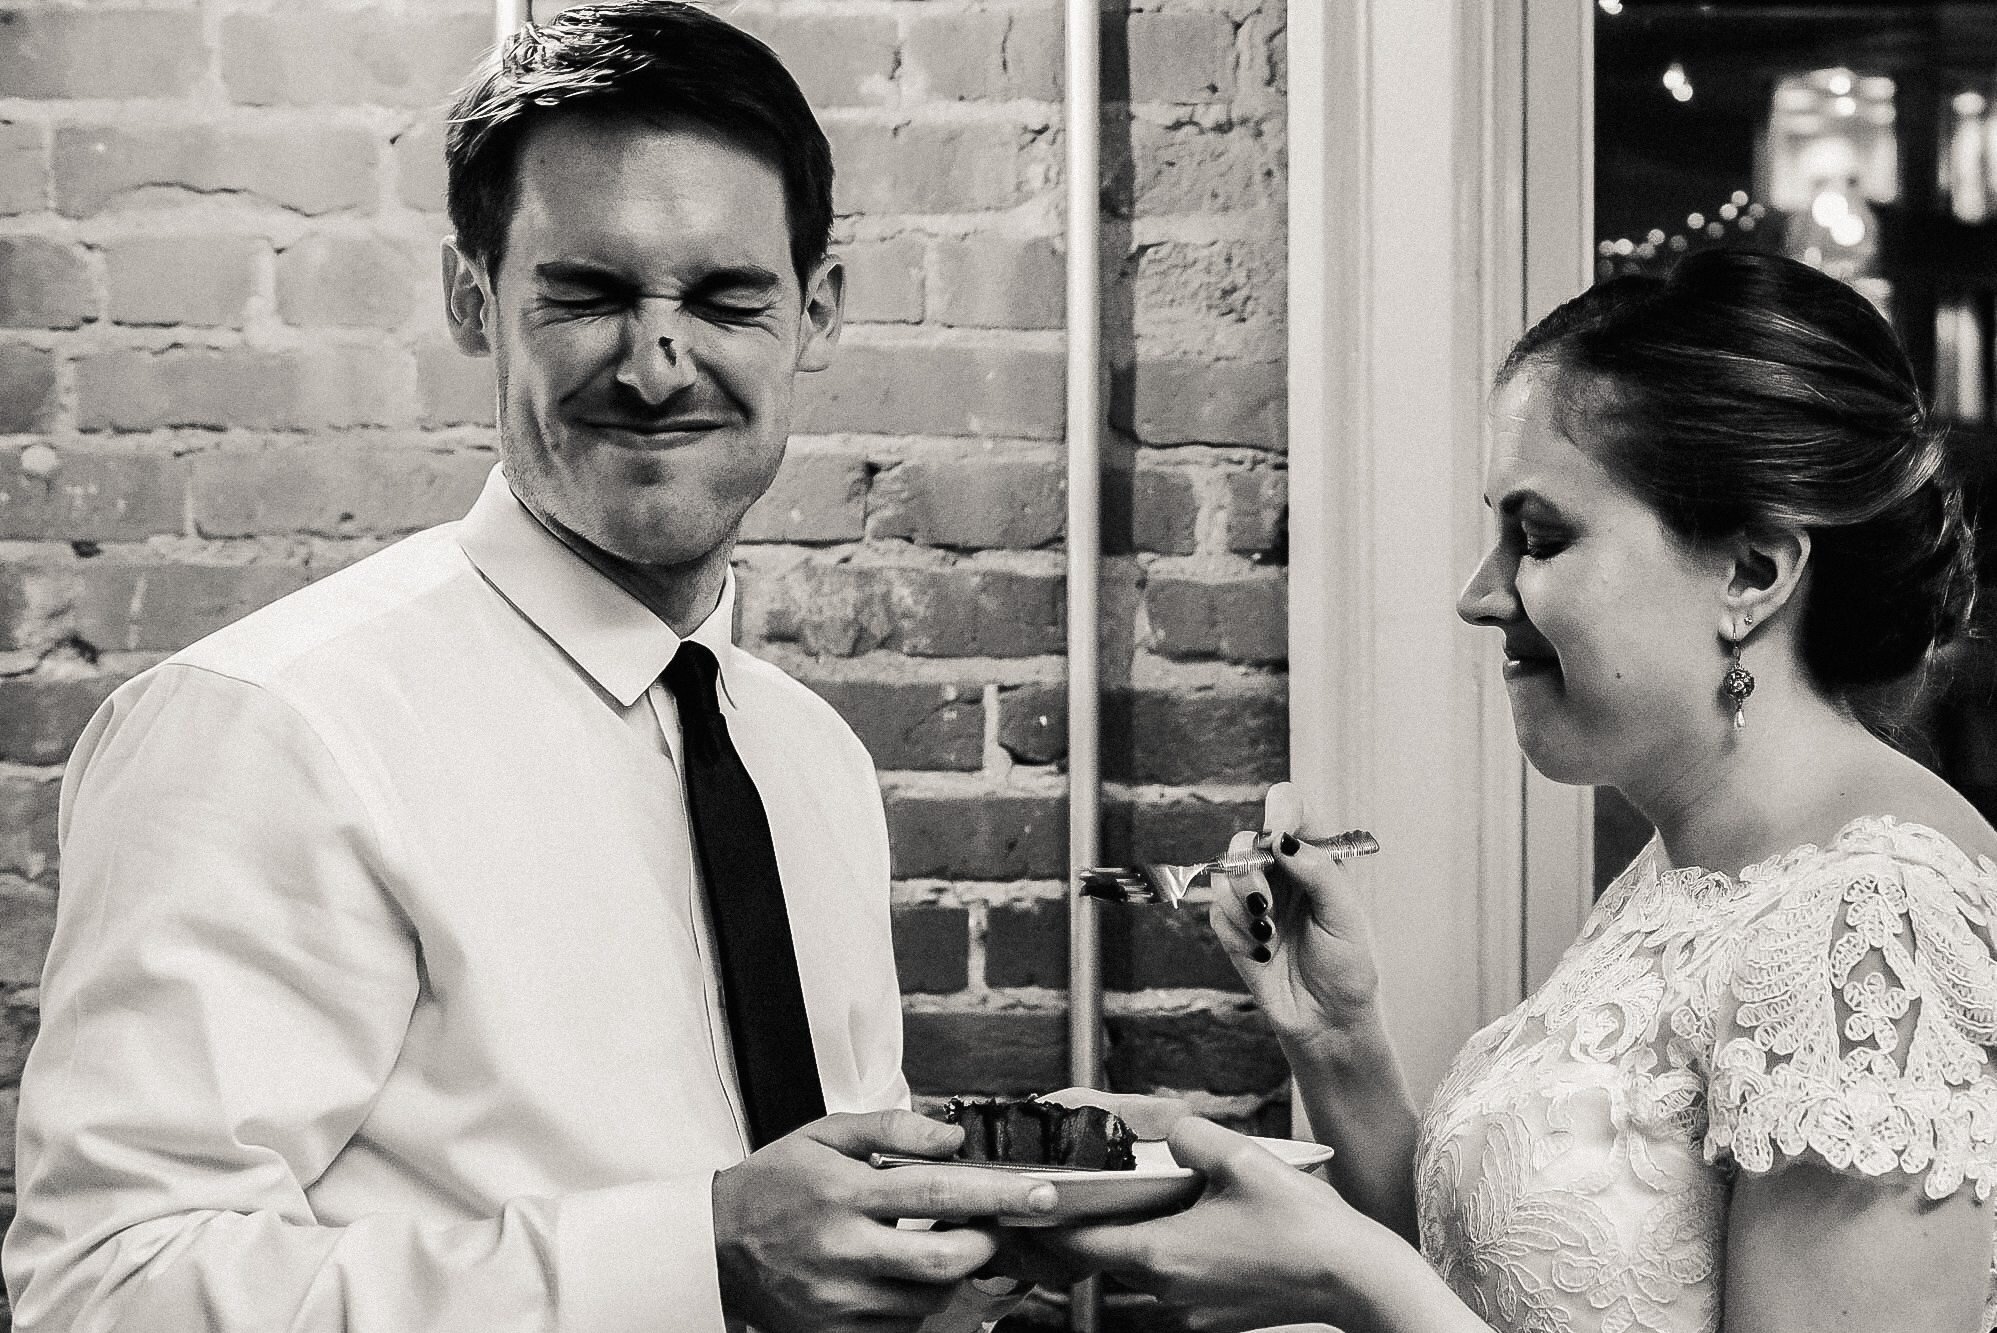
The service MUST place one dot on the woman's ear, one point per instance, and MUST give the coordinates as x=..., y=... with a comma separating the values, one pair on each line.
x=466, y=301
x=1766, y=570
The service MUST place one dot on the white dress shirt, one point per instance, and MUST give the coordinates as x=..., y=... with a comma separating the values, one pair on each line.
x=381, y=996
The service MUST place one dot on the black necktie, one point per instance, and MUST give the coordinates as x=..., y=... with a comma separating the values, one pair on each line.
x=738, y=863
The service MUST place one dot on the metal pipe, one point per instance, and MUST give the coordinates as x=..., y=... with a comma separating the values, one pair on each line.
x=1084, y=544
x=509, y=17
x=1084, y=429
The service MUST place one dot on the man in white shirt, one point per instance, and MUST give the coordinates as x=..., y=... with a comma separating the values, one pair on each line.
x=389, y=988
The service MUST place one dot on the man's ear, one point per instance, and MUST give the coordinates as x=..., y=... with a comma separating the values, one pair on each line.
x=467, y=300
x=824, y=314
x=1766, y=571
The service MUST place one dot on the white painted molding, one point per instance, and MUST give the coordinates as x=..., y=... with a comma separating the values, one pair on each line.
x=1559, y=52
x=1387, y=726
x=1425, y=215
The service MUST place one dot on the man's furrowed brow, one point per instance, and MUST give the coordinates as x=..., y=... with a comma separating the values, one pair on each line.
x=580, y=272
x=739, y=278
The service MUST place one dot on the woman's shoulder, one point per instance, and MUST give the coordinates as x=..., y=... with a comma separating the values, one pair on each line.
x=1897, y=857
x=1897, y=809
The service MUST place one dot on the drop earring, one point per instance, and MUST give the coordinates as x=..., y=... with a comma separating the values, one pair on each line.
x=1738, y=682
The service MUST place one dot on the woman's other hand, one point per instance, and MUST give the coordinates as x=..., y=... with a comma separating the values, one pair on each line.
x=1298, y=934
x=1264, y=1244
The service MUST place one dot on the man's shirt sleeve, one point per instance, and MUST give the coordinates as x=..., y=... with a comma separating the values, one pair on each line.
x=228, y=988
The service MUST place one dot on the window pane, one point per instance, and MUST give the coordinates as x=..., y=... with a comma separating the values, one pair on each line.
x=1861, y=138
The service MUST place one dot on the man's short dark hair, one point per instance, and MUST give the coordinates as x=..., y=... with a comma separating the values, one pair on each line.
x=655, y=60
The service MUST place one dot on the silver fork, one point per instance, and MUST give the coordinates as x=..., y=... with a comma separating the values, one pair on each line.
x=1162, y=882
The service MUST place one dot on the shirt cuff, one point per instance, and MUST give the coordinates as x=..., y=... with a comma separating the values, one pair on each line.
x=638, y=1258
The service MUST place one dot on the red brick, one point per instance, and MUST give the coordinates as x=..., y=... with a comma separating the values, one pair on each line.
x=1001, y=283
x=24, y=168
x=203, y=280
x=1210, y=299
x=971, y=503
x=837, y=59
x=884, y=281
x=1026, y=944
x=1230, y=1053
x=1150, y=509
x=345, y=280
x=1185, y=167
x=1202, y=402
x=453, y=389
x=335, y=491
x=418, y=153
x=845, y=610
x=98, y=52
x=163, y=608
x=326, y=170
x=959, y=56
x=43, y=284
x=1208, y=735
x=1258, y=512
x=27, y=826
x=245, y=388
x=1033, y=722
x=818, y=496
x=357, y=57
x=27, y=921
x=918, y=389
x=1182, y=829
x=41, y=717
x=985, y=1053
x=93, y=497
x=27, y=389
x=19, y=613
x=912, y=725
x=923, y=167
x=18, y=1023
x=1233, y=619
x=932, y=947
x=998, y=836
x=1158, y=735
x=1185, y=56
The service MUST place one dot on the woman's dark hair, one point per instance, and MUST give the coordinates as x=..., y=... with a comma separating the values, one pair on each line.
x=654, y=60
x=1746, y=392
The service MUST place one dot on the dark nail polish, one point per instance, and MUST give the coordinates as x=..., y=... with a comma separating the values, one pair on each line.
x=1290, y=845
x=1259, y=954
x=1261, y=929
x=1258, y=904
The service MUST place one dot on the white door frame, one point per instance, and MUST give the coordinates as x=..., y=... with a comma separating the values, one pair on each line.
x=1439, y=196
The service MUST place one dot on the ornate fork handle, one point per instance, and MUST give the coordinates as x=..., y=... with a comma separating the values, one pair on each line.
x=1357, y=842
x=1162, y=882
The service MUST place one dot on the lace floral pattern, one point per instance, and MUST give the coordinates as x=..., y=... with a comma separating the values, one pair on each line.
x=1835, y=1004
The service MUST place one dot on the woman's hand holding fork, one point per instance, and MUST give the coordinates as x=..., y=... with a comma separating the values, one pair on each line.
x=1299, y=936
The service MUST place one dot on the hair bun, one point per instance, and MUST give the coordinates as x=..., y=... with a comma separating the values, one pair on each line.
x=1751, y=391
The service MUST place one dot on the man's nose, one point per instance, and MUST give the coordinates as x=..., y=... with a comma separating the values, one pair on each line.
x=656, y=360
x=1491, y=597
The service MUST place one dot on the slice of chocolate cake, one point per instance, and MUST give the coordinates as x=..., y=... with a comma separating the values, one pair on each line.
x=1041, y=1133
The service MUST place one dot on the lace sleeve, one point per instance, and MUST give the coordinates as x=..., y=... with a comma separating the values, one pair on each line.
x=1856, y=1027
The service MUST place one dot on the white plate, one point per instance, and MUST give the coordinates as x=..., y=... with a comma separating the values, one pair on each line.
x=1157, y=1185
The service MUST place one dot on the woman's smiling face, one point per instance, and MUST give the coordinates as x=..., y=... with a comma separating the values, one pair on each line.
x=1611, y=622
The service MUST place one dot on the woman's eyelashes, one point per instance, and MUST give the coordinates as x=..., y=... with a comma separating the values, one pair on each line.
x=1535, y=541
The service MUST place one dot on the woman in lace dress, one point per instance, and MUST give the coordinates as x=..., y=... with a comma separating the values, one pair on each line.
x=1757, y=1093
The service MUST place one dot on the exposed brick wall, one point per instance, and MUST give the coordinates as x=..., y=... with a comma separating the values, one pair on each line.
x=223, y=373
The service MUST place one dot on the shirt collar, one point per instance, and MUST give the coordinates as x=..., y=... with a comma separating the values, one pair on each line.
x=606, y=631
